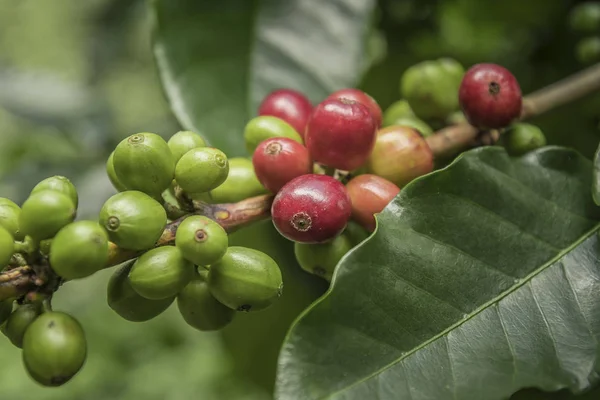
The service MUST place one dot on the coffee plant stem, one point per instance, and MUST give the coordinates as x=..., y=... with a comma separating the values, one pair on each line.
x=455, y=138
x=23, y=280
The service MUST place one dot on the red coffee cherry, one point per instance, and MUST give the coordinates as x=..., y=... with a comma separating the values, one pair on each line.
x=311, y=209
x=361, y=97
x=490, y=96
x=369, y=195
x=289, y=105
x=279, y=160
x=340, y=134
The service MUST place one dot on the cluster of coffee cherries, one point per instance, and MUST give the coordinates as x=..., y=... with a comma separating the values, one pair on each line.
x=584, y=20
x=334, y=166
x=174, y=253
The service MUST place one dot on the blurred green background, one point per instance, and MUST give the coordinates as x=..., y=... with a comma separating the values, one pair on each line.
x=78, y=76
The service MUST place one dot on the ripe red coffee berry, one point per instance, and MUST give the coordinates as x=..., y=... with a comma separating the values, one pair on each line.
x=289, y=105
x=311, y=209
x=369, y=195
x=340, y=134
x=490, y=96
x=361, y=97
x=279, y=160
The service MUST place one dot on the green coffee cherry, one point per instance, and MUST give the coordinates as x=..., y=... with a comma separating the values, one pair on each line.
x=265, y=127
x=7, y=247
x=54, y=348
x=522, y=138
x=44, y=213
x=201, y=240
x=160, y=273
x=415, y=123
x=398, y=109
x=245, y=279
x=19, y=321
x=321, y=259
x=585, y=17
x=201, y=170
x=9, y=217
x=355, y=232
x=127, y=303
x=184, y=141
x=6, y=307
x=200, y=309
x=133, y=220
x=240, y=184
x=144, y=162
x=112, y=175
x=79, y=249
x=587, y=50
x=431, y=87
x=60, y=184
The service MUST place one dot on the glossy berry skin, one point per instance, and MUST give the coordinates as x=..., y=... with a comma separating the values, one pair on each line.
x=340, y=134
x=289, y=105
x=522, y=138
x=279, y=160
x=490, y=96
x=400, y=155
x=241, y=183
x=311, y=209
x=7, y=247
x=370, y=194
x=54, y=348
x=360, y=97
x=321, y=259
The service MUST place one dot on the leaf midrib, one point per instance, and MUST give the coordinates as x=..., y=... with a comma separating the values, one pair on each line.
x=474, y=313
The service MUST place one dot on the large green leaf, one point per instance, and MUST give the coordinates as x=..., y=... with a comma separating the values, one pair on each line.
x=218, y=59
x=483, y=278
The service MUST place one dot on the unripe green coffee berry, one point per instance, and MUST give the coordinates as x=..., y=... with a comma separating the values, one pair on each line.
x=415, y=123
x=200, y=309
x=60, y=184
x=201, y=240
x=241, y=183
x=588, y=50
x=127, y=303
x=398, y=109
x=79, y=249
x=265, y=127
x=201, y=170
x=321, y=259
x=160, y=273
x=585, y=17
x=184, y=141
x=144, y=162
x=7, y=247
x=44, y=213
x=112, y=175
x=431, y=87
x=6, y=307
x=54, y=348
x=522, y=138
x=19, y=321
x=9, y=217
x=355, y=232
x=245, y=279
x=133, y=220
